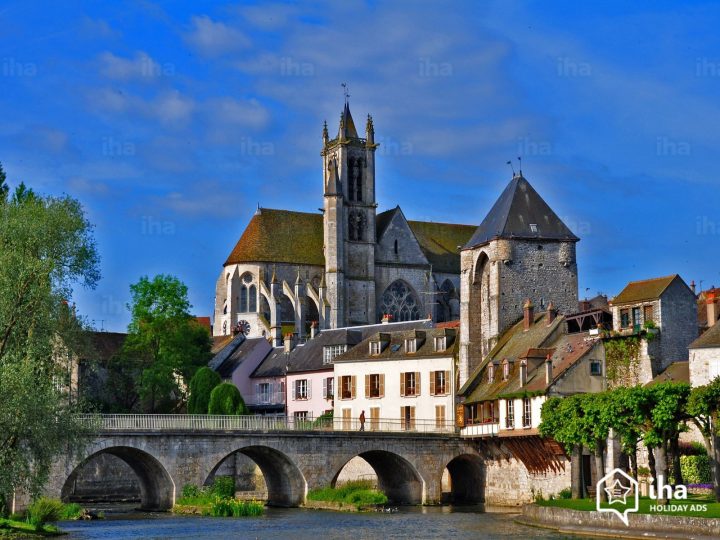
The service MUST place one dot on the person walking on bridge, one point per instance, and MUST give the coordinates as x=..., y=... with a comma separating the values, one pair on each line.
x=362, y=420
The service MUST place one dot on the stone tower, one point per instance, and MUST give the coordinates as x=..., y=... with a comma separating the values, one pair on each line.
x=522, y=250
x=349, y=222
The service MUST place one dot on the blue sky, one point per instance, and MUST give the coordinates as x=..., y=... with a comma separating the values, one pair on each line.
x=171, y=121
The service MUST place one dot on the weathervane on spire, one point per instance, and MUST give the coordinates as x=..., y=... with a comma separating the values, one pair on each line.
x=346, y=93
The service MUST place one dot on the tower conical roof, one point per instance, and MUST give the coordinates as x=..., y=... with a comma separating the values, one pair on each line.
x=520, y=212
x=348, y=125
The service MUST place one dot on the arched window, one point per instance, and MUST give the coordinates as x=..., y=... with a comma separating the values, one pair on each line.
x=399, y=301
x=243, y=299
x=252, y=301
x=396, y=247
x=351, y=177
x=358, y=180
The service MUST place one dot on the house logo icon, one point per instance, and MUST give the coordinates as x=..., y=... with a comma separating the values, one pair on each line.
x=623, y=495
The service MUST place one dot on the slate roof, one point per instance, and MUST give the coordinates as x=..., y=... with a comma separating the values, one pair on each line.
x=284, y=236
x=518, y=206
x=394, y=345
x=709, y=339
x=675, y=372
x=229, y=358
x=646, y=289
x=273, y=365
x=309, y=357
x=349, y=123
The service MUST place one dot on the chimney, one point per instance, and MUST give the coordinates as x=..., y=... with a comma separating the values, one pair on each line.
x=289, y=342
x=712, y=309
x=692, y=286
x=523, y=372
x=548, y=369
x=551, y=313
x=313, y=330
x=528, y=314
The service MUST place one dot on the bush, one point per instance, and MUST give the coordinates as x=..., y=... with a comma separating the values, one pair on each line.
x=190, y=491
x=356, y=492
x=44, y=510
x=226, y=399
x=71, y=511
x=235, y=508
x=223, y=487
x=366, y=497
x=201, y=386
x=695, y=469
x=565, y=494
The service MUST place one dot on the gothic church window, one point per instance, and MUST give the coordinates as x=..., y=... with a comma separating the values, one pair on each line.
x=247, y=302
x=400, y=302
x=355, y=176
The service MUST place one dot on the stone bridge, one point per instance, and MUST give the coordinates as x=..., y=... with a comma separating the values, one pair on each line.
x=409, y=464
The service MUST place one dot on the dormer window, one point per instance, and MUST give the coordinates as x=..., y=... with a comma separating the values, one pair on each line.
x=440, y=343
x=330, y=352
x=533, y=228
x=374, y=348
x=506, y=370
x=410, y=345
x=491, y=372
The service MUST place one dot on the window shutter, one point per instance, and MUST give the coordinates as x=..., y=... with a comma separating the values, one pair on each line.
x=353, y=381
x=412, y=417
x=367, y=385
x=382, y=385
x=447, y=382
x=294, y=387
x=417, y=383
x=402, y=384
x=325, y=389
x=309, y=388
x=432, y=383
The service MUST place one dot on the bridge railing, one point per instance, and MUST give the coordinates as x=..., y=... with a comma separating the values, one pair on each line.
x=200, y=422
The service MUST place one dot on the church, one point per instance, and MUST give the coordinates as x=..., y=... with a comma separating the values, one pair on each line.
x=346, y=266
x=350, y=265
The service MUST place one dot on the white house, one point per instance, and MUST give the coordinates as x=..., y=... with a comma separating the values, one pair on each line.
x=398, y=379
x=705, y=350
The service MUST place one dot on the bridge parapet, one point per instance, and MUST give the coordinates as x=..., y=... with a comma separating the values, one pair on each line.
x=251, y=423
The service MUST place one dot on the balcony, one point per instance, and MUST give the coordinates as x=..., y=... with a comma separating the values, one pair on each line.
x=266, y=398
x=488, y=429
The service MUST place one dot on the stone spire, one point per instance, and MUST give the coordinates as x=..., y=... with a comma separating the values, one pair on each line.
x=325, y=135
x=370, y=131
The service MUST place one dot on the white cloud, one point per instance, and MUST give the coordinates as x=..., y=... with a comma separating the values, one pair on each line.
x=171, y=107
x=140, y=67
x=215, y=38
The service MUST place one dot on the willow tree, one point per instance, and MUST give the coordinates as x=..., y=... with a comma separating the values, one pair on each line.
x=46, y=249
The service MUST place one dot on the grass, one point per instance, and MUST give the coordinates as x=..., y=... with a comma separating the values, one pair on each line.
x=358, y=493
x=217, y=501
x=22, y=529
x=712, y=507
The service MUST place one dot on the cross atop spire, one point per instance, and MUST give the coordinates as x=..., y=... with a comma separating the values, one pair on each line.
x=346, y=92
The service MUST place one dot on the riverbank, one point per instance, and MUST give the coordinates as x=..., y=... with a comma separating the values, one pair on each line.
x=608, y=525
x=22, y=529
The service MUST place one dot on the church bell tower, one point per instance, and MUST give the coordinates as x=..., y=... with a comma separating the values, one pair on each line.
x=349, y=221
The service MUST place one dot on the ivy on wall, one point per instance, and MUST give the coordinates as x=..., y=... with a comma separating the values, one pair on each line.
x=622, y=358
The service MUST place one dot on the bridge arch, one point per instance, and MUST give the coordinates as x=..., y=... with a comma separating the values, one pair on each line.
x=397, y=477
x=467, y=479
x=285, y=482
x=157, y=489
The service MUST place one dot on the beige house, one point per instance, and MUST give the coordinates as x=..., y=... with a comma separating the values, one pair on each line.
x=705, y=350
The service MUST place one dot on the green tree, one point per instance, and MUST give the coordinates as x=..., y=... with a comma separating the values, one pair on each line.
x=201, y=386
x=226, y=399
x=703, y=406
x=4, y=189
x=46, y=248
x=165, y=344
x=627, y=405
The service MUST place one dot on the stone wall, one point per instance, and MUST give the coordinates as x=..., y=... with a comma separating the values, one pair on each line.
x=104, y=478
x=704, y=365
x=679, y=322
x=508, y=483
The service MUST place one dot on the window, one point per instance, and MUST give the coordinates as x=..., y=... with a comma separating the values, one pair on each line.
x=440, y=416
x=648, y=314
x=400, y=302
x=374, y=418
x=396, y=247
x=624, y=318
x=636, y=318
x=301, y=389
x=533, y=227
x=410, y=383
x=375, y=385
x=506, y=370
x=356, y=225
x=374, y=348
x=471, y=414
x=439, y=383
x=300, y=415
x=440, y=343
x=407, y=418
x=247, y=302
x=346, y=419
x=330, y=352
x=410, y=345
x=328, y=384
x=527, y=413
x=595, y=367
x=347, y=387
x=510, y=413
x=264, y=392
x=491, y=372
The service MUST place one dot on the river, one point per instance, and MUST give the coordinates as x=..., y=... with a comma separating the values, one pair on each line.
x=297, y=524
